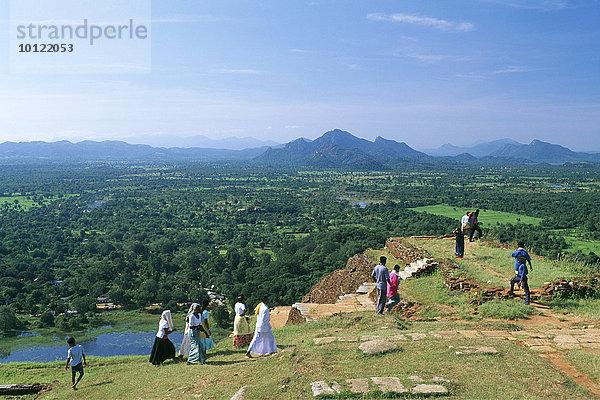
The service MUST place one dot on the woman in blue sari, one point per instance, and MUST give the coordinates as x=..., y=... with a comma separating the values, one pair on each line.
x=197, y=332
x=208, y=342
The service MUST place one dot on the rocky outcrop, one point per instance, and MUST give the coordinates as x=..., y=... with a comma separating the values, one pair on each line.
x=342, y=281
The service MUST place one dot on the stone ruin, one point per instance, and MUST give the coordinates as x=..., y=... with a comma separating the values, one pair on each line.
x=342, y=281
x=573, y=287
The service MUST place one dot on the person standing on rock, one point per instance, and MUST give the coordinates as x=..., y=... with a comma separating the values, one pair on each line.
x=263, y=342
x=522, y=258
x=392, y=289
x=475, y=226
x=465, y=223
x=459, y=249
x=381, y=276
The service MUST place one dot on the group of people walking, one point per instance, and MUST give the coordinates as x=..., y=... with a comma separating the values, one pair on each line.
x=197, y=336
x=387, y=286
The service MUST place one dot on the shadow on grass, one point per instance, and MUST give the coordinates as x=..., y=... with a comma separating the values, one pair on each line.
x=98, y=384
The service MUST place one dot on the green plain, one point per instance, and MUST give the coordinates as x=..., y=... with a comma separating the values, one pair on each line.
x=486, y=217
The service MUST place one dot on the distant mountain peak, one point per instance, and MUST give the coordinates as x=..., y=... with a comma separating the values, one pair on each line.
x=341, y=148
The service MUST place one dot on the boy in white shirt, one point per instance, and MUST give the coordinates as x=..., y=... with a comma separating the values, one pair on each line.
x=76, y=358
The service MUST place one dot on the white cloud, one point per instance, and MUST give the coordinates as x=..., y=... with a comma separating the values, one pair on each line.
x=302, y=51
x=513, y=69
x=433, y=58
x=292, y=126
x=436, y=23
x=545, y=5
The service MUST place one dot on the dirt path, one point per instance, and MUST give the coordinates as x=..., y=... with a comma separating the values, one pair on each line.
x=578, y=377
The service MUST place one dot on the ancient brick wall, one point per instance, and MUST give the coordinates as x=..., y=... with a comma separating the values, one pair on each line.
x=342, y=281
x=402, y=250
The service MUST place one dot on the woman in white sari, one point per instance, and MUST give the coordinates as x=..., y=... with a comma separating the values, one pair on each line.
x=263, y=342
x=184, y=349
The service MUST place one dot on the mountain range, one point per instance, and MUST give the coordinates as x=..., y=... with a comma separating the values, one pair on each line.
x=334, y=149
x=478, y=150
x=229, y=143
x=340, y=148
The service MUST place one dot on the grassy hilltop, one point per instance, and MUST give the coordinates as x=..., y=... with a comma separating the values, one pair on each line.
x=519, y=369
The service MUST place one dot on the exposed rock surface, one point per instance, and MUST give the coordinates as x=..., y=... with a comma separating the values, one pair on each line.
x=390, y=384
x=342, y=281
x=429, y=389
x=240, y=394
x=377, y=347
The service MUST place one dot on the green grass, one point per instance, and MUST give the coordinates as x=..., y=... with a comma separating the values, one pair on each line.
x=494, y=265
x=288, y=375
x=578, y=239
x=487, y=218
x=587, y=361
x=583, y=308
x=506, y=309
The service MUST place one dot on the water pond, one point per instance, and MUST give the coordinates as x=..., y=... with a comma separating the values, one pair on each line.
x=105, y=345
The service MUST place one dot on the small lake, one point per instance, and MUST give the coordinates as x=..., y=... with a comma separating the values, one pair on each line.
x=104, y=345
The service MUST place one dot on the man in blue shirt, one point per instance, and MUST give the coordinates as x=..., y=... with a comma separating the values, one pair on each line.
x=381, y=276
x=522, y=258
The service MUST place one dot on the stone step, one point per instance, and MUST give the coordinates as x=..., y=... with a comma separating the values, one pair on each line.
x=403, y=275
x=408, y=271
x=366, y=288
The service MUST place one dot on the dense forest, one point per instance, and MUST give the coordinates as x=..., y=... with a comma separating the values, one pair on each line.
x=157, y=233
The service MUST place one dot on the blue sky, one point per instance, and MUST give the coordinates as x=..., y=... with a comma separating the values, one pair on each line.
x=423, y=72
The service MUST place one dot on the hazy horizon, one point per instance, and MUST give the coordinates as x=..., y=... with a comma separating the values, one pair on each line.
x=422, y=73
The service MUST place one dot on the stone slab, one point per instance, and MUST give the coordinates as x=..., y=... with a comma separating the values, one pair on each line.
x=470, y=334
x=348, y=339
x=321, y=387
x=445, y=334
x=440, y=379
x=589, y=339
x=497, y=334
x=476, y=350
x=543, y=349
x=358, y=385
x=567, y=345
x=416, y=336
x=370, y=337
x=416, y=378
x=390, y=384
x=377, y=347
x=565, y=339
x=429, y=389
x=240, y=394
x=536, y=342
x=590, y=345
x=324, y=340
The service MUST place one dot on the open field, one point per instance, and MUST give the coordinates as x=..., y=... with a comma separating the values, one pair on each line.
x=579, y=239
x=486, y=217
